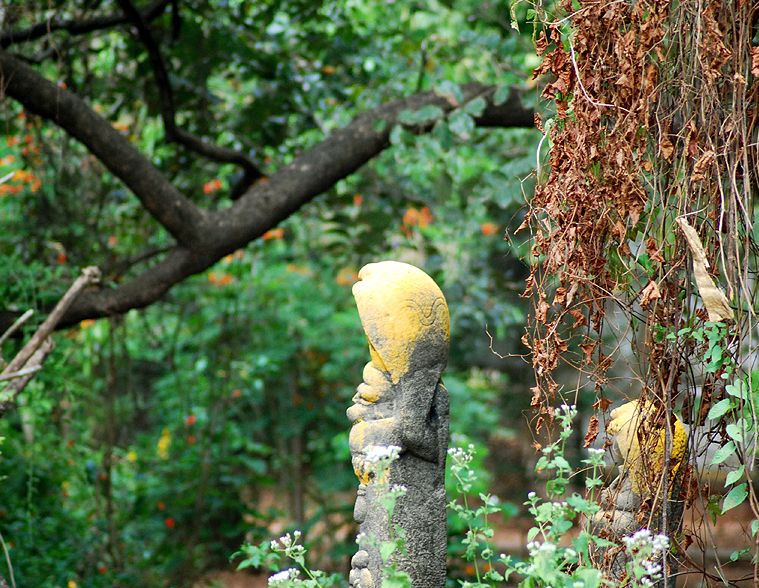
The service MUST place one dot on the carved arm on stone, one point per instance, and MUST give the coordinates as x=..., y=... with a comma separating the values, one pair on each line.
x=402, y=402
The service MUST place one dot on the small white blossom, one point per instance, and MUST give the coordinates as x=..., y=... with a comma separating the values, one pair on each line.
x=375, y=453
x=595, y=451
x=660, y=543
x=284, y=576
x=531, y=495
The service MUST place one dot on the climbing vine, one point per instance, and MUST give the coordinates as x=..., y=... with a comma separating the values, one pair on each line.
x=644, y=256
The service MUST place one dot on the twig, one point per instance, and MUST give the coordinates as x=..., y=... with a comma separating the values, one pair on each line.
x=173, y=132
x=73, y=27
x=3, y=583
x=16, y=325
x=29, y=360
x=32, y=369
x=90, y=275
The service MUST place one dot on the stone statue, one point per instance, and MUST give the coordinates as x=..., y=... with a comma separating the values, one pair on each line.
x=633, y=499
x=402, y=402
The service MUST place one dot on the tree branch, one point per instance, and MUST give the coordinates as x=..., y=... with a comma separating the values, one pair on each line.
x=342, y=153
x=168, y=107
x=38, y=95
x=267, y=204
x=75, y=27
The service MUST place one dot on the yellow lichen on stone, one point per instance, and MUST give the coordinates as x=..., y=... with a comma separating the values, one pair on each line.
x=645, y=464
x=400, y=307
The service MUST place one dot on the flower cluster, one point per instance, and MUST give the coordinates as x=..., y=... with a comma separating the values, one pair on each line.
x=461, y=455
x=377, y=453
x=286, y=541
x=646, y=550
x=287, y=575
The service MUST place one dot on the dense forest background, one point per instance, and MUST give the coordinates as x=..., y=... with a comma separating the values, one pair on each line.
x=155, y=441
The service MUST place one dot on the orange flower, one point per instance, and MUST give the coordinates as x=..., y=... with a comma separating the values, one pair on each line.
x=12, y=141
x=425, y=217
x=61, y=258
x=169, y=522
x=112, y=240
x=489, y=229
x=357, y=199
x=328, y=69
x=277, y=233
x=220, y=279
x=86, y=323
x=191, y=420
x=411, y=216
x=161, y=505
x=102, y=569
x=421, y=217
x=346, y=277
x=212, y=186
x=191, y=439
x=236, y=393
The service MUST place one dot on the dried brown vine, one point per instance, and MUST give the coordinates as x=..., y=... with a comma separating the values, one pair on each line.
x=655, y=120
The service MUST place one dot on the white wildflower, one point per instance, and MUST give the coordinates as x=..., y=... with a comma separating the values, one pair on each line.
x=375, y=453
x=660, y=543
x=284, y=576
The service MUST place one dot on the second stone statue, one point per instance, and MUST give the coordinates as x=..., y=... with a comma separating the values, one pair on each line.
x=402, y=402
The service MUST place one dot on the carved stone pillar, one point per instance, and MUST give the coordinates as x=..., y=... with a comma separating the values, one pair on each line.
x=402, y=402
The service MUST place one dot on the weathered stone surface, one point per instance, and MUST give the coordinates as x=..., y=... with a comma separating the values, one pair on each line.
x=402, y=402
x=638, y=442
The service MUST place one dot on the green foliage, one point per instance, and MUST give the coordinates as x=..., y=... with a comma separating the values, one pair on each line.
x=152, y=444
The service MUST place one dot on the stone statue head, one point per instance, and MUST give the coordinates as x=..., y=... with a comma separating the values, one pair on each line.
x=405, y=318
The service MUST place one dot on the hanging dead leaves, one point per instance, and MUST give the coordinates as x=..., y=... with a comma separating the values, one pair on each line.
x=602, y=79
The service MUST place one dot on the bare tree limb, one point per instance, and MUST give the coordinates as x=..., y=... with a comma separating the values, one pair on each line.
x=22, y=377
x=168, y=206
x=90, y=275
x=267, y=204
x=205, y=237
x=17, y=324
x=75, y=27
x=29, y=360
x=168, y=107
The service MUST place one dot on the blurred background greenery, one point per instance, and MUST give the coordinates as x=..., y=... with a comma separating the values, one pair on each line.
x=154, y=443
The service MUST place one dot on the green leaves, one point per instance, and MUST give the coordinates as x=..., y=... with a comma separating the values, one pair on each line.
x=501, y=94
x=735, y=497
x=723, y=453
x=424, y=115
x=721, y=408
x=735, y=475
